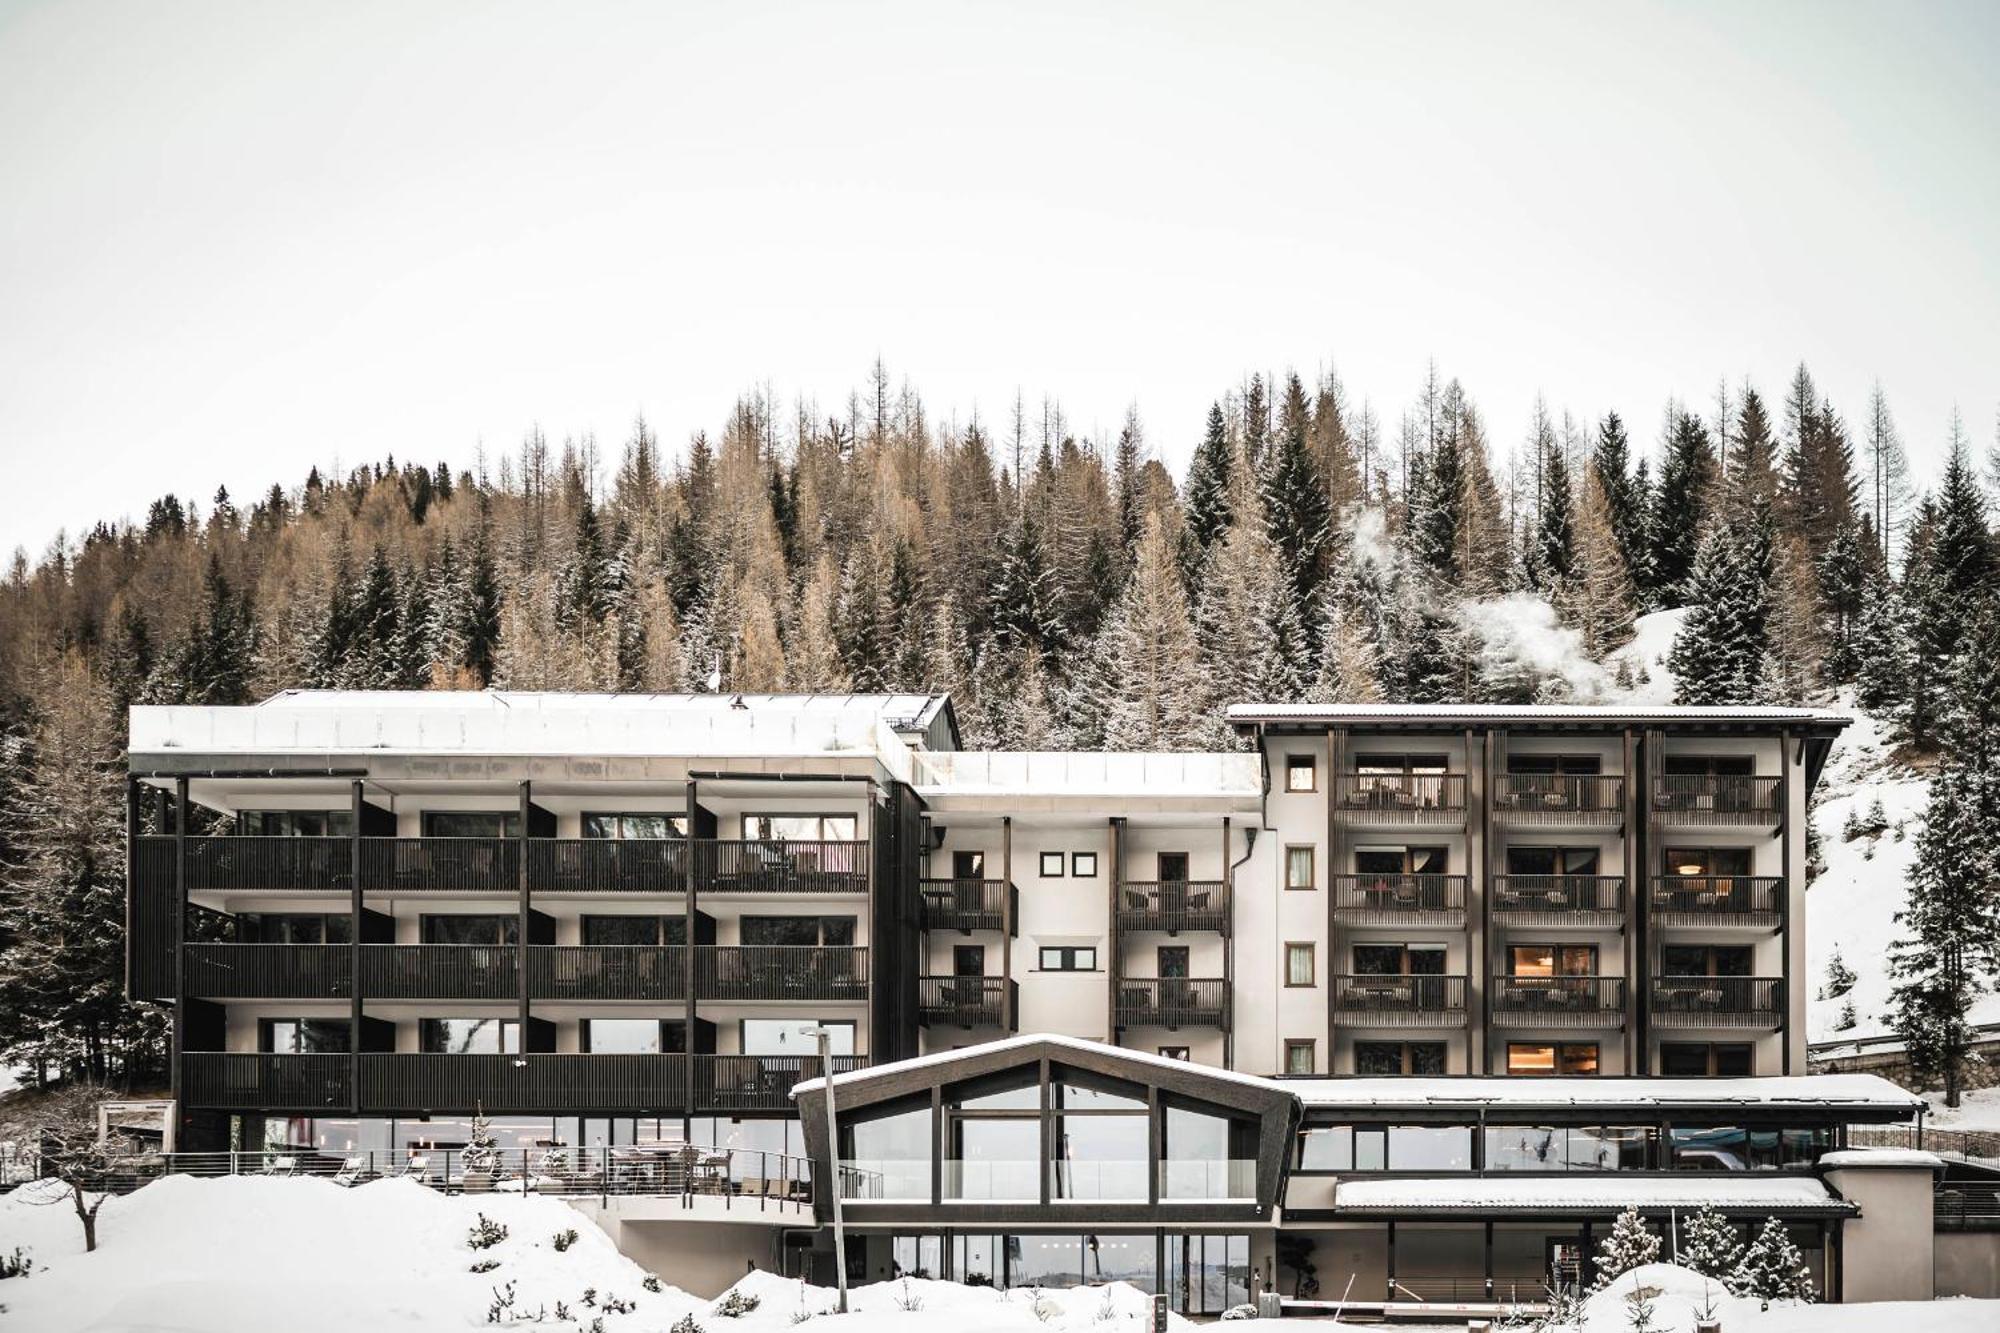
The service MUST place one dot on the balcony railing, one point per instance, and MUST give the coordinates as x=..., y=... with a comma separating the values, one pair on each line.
x=270, y=971
x=1558, y=1001
x=775, y=866
x=1174, y=905
x=1394, y=1000
x=1715, y=800
x=1559, y=900
x=1718, y=900
x=230, y=1081
x=252, y=863
x=1400, y=798
x=1552, y=800
x=608, y=865
x=607, y=972
x=967, y=1002
x=1173, y=1002
x=536, y=1083
x=965, y=904
x=440, y=972
x=1718, y=1002
x=1232, y=1179
x=781, y=972
x=724, y=1083
x=1398, y=899
x=1965, y=1205
x=441, y=865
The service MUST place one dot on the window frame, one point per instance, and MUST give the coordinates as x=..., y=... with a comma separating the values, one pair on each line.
x=1311, y=851
x=1077, y=862
x=671, y=817
x=1309, y=1045
x=822, y=816
x=1310, y=949
x=1043, y=951
x=1301, y=763
x=1060, y=861
x=1557, y=1059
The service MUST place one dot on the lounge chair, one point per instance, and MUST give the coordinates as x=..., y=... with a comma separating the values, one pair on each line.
x=352, y=1170
x=416, y=1167
x=281, y=1166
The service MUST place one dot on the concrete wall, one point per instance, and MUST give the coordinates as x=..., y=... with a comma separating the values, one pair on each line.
x=1967, y=1263
x=1885, y=1253
x=705, y=1257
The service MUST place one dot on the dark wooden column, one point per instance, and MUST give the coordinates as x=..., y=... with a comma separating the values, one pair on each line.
x=1651, y=748
x=1336, y=759
x=691, y=870
x=1635, y=1051
x=1007, y=923
x=1228, y=952
x=521, y=888
x=1786, y=745
x=179, y=939
x=1478, y=876
x=355, y=909
x=132, y=808
x=1115, y=967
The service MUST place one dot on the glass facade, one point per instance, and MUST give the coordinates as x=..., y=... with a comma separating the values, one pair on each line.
x=1200, y=1273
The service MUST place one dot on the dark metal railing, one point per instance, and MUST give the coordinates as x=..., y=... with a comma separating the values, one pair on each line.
x=1173, y=905
x=755, y=1082
x=1718, y=900
x=1172, y=1002
x=964, y=904
x=233, y=1081
x=1965, y=1205
x=771, y=865
x=781, y=972
x=607, y=972
x=1400, y=798
x=528, y=1084
x=1558, y=799
x=1698, y=798
x=440, y=971
x=1400, y=899
x=1523, y=1295
x=608, y=865
x=270, y=971
x=966, y=1002
x=1402, y=1001
x=1558, y=1001
x=232, y=863
x=1974, y=1144
x=1718, y=1001
x=1554, y=899
x=441, y=865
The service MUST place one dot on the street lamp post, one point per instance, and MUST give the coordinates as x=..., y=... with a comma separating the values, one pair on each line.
x=824, y=1035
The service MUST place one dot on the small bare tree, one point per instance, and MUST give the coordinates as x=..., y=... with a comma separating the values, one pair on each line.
x=76, y=1166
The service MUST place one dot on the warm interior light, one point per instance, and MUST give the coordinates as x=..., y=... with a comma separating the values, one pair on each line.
x=1689, y=869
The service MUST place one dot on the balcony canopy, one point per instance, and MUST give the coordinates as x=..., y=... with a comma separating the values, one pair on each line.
x=1456, y=1197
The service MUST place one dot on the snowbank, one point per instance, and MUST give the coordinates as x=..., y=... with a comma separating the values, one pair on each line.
x=1678, y=1295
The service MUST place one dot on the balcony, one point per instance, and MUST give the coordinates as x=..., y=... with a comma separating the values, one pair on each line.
x=1400, y=799
x=440, y=972
x=227, y=1081
x=1589, y=901
x=269, y=971
x=259, y=863
x=608, y=865
x=1172, y=1002
x=1174, y=905
x=781, y=972
x=1718, y=1002
x=780, y=866
x=1400, y=900
x=967, y=1002
x=1697, y=800
x=1549, y=800
x=1394, y=1000
x=725, y=1083
x=607, y=972
x=1755, y=901
x=1558, y=1002
x=966, y=905
x=441, y=865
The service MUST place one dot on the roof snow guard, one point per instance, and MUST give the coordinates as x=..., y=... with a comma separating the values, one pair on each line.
x=1246, y=716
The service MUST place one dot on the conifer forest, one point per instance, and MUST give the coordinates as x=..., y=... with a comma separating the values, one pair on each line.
x=1068, y=591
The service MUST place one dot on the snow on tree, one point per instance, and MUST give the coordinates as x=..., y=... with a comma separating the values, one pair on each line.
x=1206, y=501
x=1718, y=656
x=1597, y=598
x=1631, y=1244
x=1297, y=513
x=75, y=1166
x=1150, y=685
x=481, y=1154
x=1678, y=517
x=1624, y=495
x=1840, y=978
x=1350, y=669
x=1772, y=1268
x=1708, y=1243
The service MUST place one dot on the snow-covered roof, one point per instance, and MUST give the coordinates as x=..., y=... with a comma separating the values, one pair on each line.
x=1789, y=1194
x=1882, y=1157
x=1851, y=1091
x=936, y=1059
x=1244, y=713
x=1054, y=776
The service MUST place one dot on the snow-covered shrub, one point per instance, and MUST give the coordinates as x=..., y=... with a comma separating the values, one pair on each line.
x=1773, y=1269
x=482, y=1151
x=562, y=1240
x=906, y=1299
x=485, y=1234
x=18, y=1264
x=1839, y=978
x=1639, y=1308
x=1107, y=1310
x=651, y=1282
x=501, y=1311
x=685, y=1324
x=1708, y=1244
x=1240, y=1312
x=616, y=1305
x=484, y=1266
x=1630, y=1245
x=735, y=1304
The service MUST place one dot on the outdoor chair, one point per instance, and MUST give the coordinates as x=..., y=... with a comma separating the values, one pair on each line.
x=352, y=1170
x=281, y=1166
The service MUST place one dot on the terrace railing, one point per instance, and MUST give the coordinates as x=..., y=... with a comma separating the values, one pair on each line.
x=967, y=1002
x=1172, y=1002
x=1173, y=905
x=1697, y=799
x=1558, y=1001
x=1398, y=1000
x=608, y=865
x=252, y=863
x=228, y=1080
x=1718, y=900
x=441, y=865
x=1554, y=900
x=232, y=971
x=1718, y=1002
x=781, y=972
x=1400, y=899
x=780, y=866
x=607, y=972
x=1400, y=798
x=1559, y=800
x=440, y=971
x=965, y=904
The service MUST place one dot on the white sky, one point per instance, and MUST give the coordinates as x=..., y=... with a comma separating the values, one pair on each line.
x=236, y=240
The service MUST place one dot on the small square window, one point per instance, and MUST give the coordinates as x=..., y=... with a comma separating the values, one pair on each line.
x=1301, y=772
x=1070, y=958
x=1052, y=865
x=1177, y=1052
x=1083, y=865
x=1299, y=964
x=1299, y=867
x=1299, y=1057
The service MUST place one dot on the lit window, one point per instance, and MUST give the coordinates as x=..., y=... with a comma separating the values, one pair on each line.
x=1533, y=1058
x=1299, y=964
x=1301, y=771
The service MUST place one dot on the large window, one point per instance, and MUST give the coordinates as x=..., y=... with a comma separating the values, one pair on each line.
x=1386, y=1148
x=1707, y=860
x=640, y=930
x=828, y=931
x=1399, y=1057
x=1391, y=960
x=1552, y=960
x=295, y=928
x=888, y=1155
x=1700, y=1059
x=784, y=1036
x=1101, y=1143
x=1540, y=1058
x=1208, y=1274
x=633, y=1036
x=1568, y=765
x=493, y=929
x=295, y=823
x=802, y=828
x=1741, y=1148
x=1393, y=862
x=1707, y=960
x=303, y=1036
x=472, y=823
x=1552, y=860
x=640, y=826
x=1568, y=1148
x=470, y=1036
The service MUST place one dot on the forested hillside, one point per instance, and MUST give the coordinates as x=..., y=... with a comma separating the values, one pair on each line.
x=1068, y=591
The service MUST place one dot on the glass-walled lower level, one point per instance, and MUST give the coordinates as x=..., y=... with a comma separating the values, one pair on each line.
x=341, y=1135
x=1200, y=1272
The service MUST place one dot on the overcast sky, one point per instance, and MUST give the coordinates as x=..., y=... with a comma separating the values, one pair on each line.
x=238, y=240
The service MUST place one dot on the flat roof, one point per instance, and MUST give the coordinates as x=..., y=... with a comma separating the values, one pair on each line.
x=1848, y=1091
x=1424, y=1195
x=1245, y=714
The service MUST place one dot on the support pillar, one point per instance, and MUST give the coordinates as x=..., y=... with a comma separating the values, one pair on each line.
x=355, y=909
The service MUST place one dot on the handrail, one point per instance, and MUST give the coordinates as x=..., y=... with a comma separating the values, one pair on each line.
x=1692, y=1001
x=1398, y=896
x=1414, y=1000
x=1172, y=1002
x=1558, y=895
x=1557, y=798
x=1558, y=999
x=1418, y=798
x=1720, y=899
x=1173, y=905
x=1715, y=798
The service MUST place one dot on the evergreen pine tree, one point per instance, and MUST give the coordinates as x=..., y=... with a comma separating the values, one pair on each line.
x=479, y=631
x=1631, y=1244
x=1350, y=669
x=1882, y=678
x=1772, y=1268
x=1554, y=563
x=1679, y=511
x=1709, y=1244
x=1296, y=511
x=1207, y=511
x=378, y=627
x=1151, y=683
x=1596, y=599
x=1624, y=498
x=1025, y=612
x=1718, y=656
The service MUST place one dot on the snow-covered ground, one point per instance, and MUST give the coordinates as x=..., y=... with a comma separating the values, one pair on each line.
x=1677, y=1296
x=1978, y=1109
